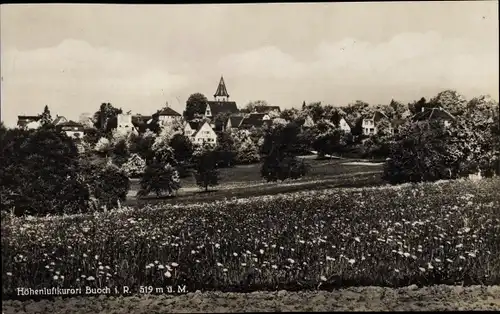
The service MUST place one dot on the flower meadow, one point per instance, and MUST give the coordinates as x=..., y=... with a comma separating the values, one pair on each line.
x=424, y=234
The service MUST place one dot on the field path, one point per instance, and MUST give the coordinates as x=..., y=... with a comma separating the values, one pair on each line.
x=435, y=298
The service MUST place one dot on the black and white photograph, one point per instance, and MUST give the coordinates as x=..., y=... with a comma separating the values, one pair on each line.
x=250, y=157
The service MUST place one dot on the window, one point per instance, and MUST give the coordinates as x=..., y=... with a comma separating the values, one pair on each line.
x=371, y=130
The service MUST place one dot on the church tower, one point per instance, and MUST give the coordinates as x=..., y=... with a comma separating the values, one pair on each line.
x=221, y=93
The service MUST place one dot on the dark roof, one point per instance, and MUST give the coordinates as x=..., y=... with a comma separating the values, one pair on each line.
x=397, y=122
x=195, y=125
x=235, y=120
x=139, y=119
x=217, y=107
x=24, y=120
x=266, y=109
x=253, y=120
x=379, y=115
x=433, y=114
x=221, y=89
x=168, y=112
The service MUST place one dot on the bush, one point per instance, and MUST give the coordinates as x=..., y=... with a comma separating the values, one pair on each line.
x=206, y=170
x=159, y=178
x=430, y=152
x=107, y=184
x=134, y=167
x=289, y=167
x=39, y=173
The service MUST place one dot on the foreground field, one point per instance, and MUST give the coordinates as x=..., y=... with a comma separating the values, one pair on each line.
x=447, y=233
x=436, y=298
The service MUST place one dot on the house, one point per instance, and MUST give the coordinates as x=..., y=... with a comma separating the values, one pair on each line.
x=124, y=123
x=190, y=128
x=345, y=125
x=221, y=103
x=203, y=134
x=434, y=114
x=168, y=115
x=71, y=128
x=86, y=119
x=28, y=122
x=369, y=125
x=255, y=120
x=59, y=119
x=233, y=122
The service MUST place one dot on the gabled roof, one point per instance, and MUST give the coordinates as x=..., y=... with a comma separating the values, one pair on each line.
x=253, y=120
x=235, y=121
x=71, y=124
x=433, y=114
x=200, y=125
x=217, y=107
x=59, y=119
x=266, y=109
x=349, y=123
x=168, y=112
x=195, y=124
x=221, y=89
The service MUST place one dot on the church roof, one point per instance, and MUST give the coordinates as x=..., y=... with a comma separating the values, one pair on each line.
x=217, y=107
x=221, y=89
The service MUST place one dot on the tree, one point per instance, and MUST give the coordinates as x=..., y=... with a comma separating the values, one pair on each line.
x=103, y=116
x=46, y=118
x=183, y=148
x=451, y=101
x=92, y=136
x=220, y=120
x=103, y=147
x=278, y=149
x=226, y=149
x=430, y=151
x=142, y=144
x=247, y=152
x=329, y=140
x=398, y=109
x=207, y=173
x=121, y=152
x=135, y=166
x=315, y=110
x=196, y=104
x=416, y=106
x=108, y=185
x=40, y=181
x=251, y=106
x=159, y=178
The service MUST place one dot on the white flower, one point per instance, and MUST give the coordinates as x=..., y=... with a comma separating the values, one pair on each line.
x=219, y=265
x=161, y=267
x=352, y=261
x=235, y=254
x=217, y=245
x=55, y=277
x=90, y=278
x=224, y=270
x=429, y=265
x=449, y=260
x=422, y=269
x=174, y=264
x=168, y=274
x=9, y=273
x=323, y=278
x=243, y=264
x=291, y=261
x=357, y=239
x=261, y=251
x=406, y=254
x=193, y=252
x=438, y=260
x=471, y=254
x=274, y=267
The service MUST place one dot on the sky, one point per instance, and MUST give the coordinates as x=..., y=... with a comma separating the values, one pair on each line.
x=138, y=57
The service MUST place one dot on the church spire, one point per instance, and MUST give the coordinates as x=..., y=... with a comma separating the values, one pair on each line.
x=221, y=89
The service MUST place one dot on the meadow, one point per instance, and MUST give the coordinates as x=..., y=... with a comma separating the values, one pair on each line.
x=423, y=234
x=246, y=181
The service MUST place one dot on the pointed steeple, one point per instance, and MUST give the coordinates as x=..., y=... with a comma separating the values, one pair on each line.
x=221, y=89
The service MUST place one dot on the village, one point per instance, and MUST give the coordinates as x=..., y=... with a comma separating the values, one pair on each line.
x=221, y=114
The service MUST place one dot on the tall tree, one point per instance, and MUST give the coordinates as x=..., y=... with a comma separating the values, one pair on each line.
x=196, y=104
x=398, y=109
x=207, y=173
x=46, y=117
x=102, y=117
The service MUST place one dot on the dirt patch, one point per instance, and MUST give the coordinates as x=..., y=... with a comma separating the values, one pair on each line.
x=435, y=298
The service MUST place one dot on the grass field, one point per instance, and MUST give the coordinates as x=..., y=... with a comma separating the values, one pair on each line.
x=442, y=233
x=245, y=181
